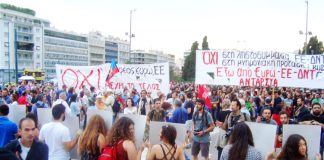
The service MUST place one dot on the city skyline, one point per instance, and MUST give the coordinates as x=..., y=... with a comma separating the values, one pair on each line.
x=172, y=26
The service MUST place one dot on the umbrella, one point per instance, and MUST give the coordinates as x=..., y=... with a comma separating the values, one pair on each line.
x=26, y=78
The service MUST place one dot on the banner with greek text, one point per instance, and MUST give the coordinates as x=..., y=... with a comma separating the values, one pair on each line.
x=152, y=77
x=248, y=68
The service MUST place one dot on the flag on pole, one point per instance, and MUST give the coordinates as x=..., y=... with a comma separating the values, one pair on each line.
x=203, y=94
x=112, y=71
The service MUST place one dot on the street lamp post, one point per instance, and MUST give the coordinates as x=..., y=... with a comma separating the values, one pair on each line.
x=307, y=32
x=130, y=31
x=9, y=52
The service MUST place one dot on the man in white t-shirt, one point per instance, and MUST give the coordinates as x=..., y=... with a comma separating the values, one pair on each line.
x=57, y=136
x=61, y=100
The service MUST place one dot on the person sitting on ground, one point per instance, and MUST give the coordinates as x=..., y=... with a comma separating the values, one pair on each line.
x=168, y=149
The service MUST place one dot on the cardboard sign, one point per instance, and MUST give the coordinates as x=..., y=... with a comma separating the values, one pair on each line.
x=16, y=113
x=106, y=115
x=311, y=133
x=264, y=136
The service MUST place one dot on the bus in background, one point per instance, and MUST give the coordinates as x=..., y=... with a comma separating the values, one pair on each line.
x=37, y=74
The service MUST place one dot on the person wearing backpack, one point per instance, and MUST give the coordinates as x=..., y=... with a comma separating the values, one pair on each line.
x=121, y=142
x=157, y=114
x=202, y=125
x=231, y=120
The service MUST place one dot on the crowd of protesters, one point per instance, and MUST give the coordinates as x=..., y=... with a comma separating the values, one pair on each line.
x=229, y=107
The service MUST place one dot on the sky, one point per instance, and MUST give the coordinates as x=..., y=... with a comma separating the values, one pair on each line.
x=173, y=25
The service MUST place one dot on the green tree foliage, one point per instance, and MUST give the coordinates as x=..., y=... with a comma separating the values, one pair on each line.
x=314, y=46
x=205, y=44
x=18, y=9
x=189, y=68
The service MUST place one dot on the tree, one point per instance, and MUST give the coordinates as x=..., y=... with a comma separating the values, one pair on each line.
x=205, y=44
x=314, y=46
x=189, y=68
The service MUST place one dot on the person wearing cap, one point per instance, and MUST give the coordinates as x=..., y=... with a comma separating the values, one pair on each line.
x=108, y=99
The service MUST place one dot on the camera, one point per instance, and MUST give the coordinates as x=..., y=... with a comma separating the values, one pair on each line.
x=229, y=132
x=196, y=132
x=263, y=119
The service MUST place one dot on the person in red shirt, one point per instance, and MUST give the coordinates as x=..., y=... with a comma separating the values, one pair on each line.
x=22, y=100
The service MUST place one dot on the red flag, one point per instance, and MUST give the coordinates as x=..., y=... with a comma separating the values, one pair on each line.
x=203, y=94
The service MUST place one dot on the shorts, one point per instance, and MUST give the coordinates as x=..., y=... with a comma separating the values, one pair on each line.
x=196, y=147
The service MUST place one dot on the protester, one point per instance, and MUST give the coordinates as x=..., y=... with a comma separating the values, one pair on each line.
x=75, y=105
x=57, y=136
x=61, y=100
x=168, y=149
x=8, y=129
x=283, y=121
x=130, y=108
x=145, y=104
x=27, y=147
x=35, y=119
x=300, y=110
x=180, y=114
x=39, y=104
x=295, y=148
x=108, y=99
x=92, y=140
x=202, y=124
x=100, y=105
x=121, y=136
x=241, y=145
x=266, y=117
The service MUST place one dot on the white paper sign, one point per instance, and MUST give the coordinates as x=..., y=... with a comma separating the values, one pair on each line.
x=156, y=127
x=44, y=115
x=106, y=115
x=72, y=122
x=152, y=77
x=264, y=136
x=16, y=113
x=139, y=121
x=311, y=133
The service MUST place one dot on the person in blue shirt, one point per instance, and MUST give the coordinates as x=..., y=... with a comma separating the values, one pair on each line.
x=5, y=96
x=180, y=114
x=202, y=125
x=8, y=129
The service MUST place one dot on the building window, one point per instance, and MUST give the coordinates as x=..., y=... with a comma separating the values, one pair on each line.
x=6, y=54
x=38, y=56
x=37, y=30
x=37, y=48
x=6, y=24
x=6, y=44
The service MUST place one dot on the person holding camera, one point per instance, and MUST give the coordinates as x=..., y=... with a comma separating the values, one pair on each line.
x=266, y=117
x=233, y=118
x=202, y=124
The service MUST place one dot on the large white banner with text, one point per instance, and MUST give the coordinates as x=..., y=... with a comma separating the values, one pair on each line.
x=248, y=68
x=151, y=77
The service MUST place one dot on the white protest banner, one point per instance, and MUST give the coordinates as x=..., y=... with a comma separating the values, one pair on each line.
x=156, y=127
x=248, y=68
x=106, y=115
x=139, y=121
x=311, y=61
x=311, y=133
x=151, y=77
x=16, y=113
x=259, y=132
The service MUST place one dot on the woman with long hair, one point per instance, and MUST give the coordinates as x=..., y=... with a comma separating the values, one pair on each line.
x=92, y=139
x=240, y=144
x=130, y=107
x=168, y=150
x=295, y=148
x=122, y=136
